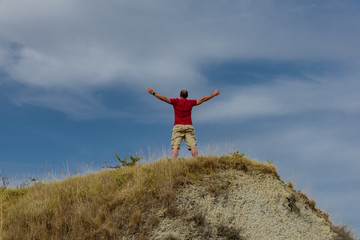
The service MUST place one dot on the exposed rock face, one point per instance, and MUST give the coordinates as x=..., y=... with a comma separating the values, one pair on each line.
x=241, y=205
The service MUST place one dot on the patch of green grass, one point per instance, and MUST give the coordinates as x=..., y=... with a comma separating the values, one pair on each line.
x=270, y=162
x=132, y=161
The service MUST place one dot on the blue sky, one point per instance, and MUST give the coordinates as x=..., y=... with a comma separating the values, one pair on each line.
x=73, y=76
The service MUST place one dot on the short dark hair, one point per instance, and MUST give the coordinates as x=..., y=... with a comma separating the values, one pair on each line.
x=184, y=93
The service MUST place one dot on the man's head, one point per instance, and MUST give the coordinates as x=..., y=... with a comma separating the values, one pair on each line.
x=184, y=93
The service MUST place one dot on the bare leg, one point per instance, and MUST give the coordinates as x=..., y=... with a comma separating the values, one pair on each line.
x=194, y=152
x=175, y=152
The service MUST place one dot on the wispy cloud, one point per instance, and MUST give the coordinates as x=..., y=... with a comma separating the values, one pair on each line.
x=78, y=106
x=286, y=97
x=88, y=44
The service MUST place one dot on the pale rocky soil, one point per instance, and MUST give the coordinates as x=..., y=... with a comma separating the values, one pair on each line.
x=241, y=205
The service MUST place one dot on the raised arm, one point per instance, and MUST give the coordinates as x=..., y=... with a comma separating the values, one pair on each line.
x=208, y=97
x=158, y=95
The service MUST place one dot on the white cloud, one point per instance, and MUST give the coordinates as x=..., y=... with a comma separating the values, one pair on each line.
x=72, y=40
x=285, y=97
x=90, y=44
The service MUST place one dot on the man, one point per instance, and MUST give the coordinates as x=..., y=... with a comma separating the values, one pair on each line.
x=183, y=128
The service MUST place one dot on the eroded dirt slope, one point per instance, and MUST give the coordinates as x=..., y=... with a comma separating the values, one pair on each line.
x=241, y=205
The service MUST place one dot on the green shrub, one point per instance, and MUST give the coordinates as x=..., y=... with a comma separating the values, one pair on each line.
x=124, y=162
x=237, y=155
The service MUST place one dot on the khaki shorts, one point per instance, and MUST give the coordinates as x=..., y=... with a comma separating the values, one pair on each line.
x=185, y=132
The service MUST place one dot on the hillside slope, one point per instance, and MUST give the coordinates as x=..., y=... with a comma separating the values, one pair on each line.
x=241, y=205
x=228, y=197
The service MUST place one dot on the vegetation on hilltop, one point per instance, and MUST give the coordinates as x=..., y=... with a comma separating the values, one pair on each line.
x=118, y=202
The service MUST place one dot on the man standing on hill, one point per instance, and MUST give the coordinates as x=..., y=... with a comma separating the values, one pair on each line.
x=183, y=128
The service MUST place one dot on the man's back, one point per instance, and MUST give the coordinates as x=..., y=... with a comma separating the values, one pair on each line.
x=182, y=110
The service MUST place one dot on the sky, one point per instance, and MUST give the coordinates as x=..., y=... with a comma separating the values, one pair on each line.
x=74, y=73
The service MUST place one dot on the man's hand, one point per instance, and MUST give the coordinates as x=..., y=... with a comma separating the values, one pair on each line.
x=158, y=95
x=208, y=97
x=150, y=90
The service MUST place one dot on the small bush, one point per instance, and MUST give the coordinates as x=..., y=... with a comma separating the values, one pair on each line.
x=218, y=188
x=124, y=162
x=310, y=203
x=237, y=155
x=199, y=219
x=270, y=162
x=229, y=233
x=172, y=211
x=343, y=233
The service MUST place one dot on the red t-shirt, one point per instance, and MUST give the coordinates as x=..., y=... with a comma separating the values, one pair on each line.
x=182, y=110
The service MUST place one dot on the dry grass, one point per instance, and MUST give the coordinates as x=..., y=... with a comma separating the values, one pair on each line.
x=291, y=185
x=343, y=233
x=110, y=203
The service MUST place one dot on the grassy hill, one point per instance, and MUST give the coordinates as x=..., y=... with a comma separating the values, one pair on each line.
x=227, y=197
